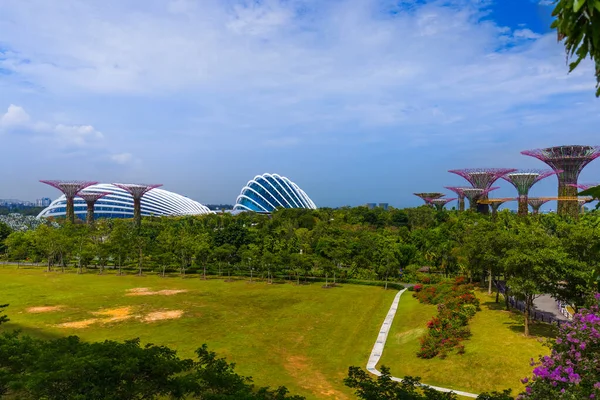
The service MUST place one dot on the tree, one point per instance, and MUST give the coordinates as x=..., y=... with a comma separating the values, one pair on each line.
x=383, y=387
x=387, y=261
x=578, y=26
x=5, y=231
x=120, y=241
x=530, y=258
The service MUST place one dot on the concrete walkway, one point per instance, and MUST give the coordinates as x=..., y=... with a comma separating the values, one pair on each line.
x=380, y=344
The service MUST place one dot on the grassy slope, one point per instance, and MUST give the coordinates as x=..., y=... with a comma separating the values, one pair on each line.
x=497, y=354
x=301, y=337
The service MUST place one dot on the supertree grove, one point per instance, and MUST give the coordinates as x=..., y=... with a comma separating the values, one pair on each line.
x=570, y=161
x=426, y=196
x=523, y=180
x=137, y=191
x=70, y=190
x=440, y=203
x=90, y=199
x=482, y=178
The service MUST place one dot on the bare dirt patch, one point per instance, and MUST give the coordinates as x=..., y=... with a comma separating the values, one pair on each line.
x=44, y=309
x=78, y=324
x=148, y=292
x=310, y=378
x=115, y=314
x=162, y=315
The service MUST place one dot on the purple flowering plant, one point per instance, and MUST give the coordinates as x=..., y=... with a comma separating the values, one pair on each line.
x=572, y=370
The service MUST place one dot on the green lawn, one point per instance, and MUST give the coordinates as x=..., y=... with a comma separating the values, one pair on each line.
x=303, y=337
x=497, y=354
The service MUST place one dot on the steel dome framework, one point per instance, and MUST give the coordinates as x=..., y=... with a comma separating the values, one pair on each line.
x=118, y=203
x=268, y=192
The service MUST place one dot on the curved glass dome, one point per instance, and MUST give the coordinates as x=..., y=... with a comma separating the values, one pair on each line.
x=267, y=192
x=119, y=204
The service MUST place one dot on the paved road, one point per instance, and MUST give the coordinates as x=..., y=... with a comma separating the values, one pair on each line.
x=547, y=305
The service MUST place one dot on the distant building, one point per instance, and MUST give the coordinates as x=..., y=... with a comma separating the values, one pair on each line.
x=371, y=206
x=268, y=192
x=43, y=202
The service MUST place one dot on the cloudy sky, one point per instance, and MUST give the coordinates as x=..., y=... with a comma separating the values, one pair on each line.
x=355, y=100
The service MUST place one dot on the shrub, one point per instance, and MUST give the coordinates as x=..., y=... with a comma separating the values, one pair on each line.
x=457, y=304
x=417, y=288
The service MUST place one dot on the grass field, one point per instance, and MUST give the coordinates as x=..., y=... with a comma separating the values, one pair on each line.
x=497, y=354
x=303, y=337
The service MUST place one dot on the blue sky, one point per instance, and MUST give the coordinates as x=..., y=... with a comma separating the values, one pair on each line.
x=355, y=100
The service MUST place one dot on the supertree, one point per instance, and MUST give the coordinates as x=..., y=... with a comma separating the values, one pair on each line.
x=137, y=191
x=569, y=160
x=426, y=196
x=440, y=203
x=90, y=199
x=482, y=178
x=523, y=180
x=495, y=204
x=537, y=202
x=460, y=194
x=69, y=189
x=476, y=194
x=582, y=201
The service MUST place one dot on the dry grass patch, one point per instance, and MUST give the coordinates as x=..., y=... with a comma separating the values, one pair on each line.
x=44, y=309
x=310, y=378
x=78, y=324
x=162, y=315
x=148, y=292
x=115, y=314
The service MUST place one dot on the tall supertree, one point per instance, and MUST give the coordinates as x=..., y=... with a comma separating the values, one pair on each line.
x=460, y=194
x=482, y=178
x=570, y=160
x=426, y=196
x=537, y=202
x=476, y=194
x=137, y=191
x=440, y=203
x=90, y=199
x=523, y=180
x=69, y=189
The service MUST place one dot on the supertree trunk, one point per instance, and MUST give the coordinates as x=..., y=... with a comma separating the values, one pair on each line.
x=567, y=207
x=70, y=213
x=461, y=204
x=523, y=206
x=137, y=211
x=89, y=217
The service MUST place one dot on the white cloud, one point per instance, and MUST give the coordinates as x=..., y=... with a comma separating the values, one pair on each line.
x=122, y=158
x=14, y=117
x=313, y=69
x=60, y=135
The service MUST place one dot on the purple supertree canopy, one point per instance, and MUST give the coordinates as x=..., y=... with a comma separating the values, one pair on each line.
x=441, y=202
x=570, y=159
x=458, y=190
x=474, y=193
x=433, y=195
x=482, y=178
x=69, y=188
x=537, y=202
x=584, y=186
x=92, y=196
x=136, y=190
x=523, y=180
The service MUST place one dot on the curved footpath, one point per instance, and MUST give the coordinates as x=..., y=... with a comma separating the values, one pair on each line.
x=380, y=344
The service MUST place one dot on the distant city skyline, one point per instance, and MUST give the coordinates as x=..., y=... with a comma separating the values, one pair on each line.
x=356, y=101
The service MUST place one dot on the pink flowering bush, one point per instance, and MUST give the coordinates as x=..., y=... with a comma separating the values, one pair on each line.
x=572, y=370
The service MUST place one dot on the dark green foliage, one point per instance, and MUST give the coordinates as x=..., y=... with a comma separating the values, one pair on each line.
x=504, y=395
x=384, y=388
x=3, y=318
x=578, y=26
x=68, y=368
